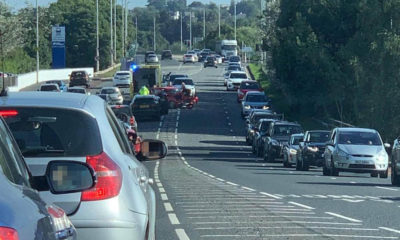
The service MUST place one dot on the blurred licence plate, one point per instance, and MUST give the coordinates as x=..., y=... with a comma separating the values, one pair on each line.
x=144, y=106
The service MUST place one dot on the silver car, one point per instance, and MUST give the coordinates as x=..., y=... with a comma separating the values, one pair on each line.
x=290, y=150
x=254, y=100
x=152, y=58
x=112, y=95
x=358, y=150
x=84, y=129
x=23, y=214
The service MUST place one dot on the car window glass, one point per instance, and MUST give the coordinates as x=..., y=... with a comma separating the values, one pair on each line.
x=359, y=138
x=318, y=137
x=119, y=132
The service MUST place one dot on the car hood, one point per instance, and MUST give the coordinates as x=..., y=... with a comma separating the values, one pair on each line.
x=361, y=149
x=296, y=147
x=282, y=138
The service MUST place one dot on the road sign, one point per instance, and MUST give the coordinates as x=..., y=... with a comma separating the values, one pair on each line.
x=58, y=46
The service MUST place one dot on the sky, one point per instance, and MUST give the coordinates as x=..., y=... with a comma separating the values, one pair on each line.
x=17, y=4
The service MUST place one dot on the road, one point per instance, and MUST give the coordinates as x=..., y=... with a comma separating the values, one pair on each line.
x=210, y=186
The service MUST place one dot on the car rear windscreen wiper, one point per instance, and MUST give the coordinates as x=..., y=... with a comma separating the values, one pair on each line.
x=40, y=150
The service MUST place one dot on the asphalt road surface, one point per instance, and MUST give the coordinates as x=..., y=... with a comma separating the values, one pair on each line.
x=210, y=186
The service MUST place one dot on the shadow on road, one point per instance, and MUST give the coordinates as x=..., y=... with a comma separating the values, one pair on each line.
x=348, y=184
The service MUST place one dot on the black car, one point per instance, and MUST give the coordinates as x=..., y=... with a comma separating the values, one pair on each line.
x=146, y=106
x=395, y=161
x=278, y=135
x=253, y=120
x=203, y=56
x=311, y=149
x=166, y=54
x=260, y=132
x=79, y=78
x=210, y=62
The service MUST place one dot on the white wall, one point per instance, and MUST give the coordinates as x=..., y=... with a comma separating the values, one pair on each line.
x=28, y=79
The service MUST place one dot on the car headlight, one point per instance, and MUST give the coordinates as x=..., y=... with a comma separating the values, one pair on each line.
x=293, y=151
x=312, y=149
x=251, y=130
x=382, y=156
x=275, y=143
x=265, y=107
x=343, y=154
x=246, y=107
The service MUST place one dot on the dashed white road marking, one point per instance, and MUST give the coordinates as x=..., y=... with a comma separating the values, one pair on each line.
x=270, y=195
x=181, y=234
x=386, y=188
x=301, y=205
x=231, y=183
x=343, y=217
x=305, y=236
x=164, y=197
x=390, y=229
x=250, y=189
x=168, y=207
x=161, y=189
x=173, y=219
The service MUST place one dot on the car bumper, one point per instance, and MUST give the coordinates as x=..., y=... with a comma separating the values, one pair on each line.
x=121, y=82
x=276, y=151
x=116, y=101
x=232, y=86
x=292, y=158
x=314, y=159
x=361, y=166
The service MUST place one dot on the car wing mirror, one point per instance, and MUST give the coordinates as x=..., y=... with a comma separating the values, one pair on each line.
x=63, y=177
x=152, y=150
x=387, y=145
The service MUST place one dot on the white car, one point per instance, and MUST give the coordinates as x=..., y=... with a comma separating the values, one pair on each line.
x=196, y=58
x=112, y=95
x=152, y=58
x=189, y=58
x=189, y=84
x=235, y=79
x=358, y=150
x=122, y=78
x=219, y=59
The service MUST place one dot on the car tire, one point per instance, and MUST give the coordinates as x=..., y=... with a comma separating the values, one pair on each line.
x=298, y=165
x=325, y=170
x=374, y=174
x=395, y=178
x=333, y=170
x=260, y=152
x=305, y=166
x=271, y=158
x=253, y=149
x=247, y=140
x=383, y=174
x=285, y=161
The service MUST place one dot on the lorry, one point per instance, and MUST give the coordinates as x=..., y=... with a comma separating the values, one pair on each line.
x=146, y=75
x=227, y=48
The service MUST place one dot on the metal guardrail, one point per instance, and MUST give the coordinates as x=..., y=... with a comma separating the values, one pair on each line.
x=9, y=81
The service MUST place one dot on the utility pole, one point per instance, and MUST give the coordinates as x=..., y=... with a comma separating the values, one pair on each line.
x=181, y=30
x=137, y=27
x=115, y=30
x=97, y=36
x=190, y=41
x=154, y=33
x=37, y=44
x=123, y=29
x=126, y=26
x=204, y=27
x=111, y=33
x=235, y=16
x=219, y=20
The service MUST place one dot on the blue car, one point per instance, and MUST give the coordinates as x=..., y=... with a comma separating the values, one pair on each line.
x=61, y=84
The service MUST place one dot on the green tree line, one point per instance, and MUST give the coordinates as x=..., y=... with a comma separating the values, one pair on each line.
x=337, y=59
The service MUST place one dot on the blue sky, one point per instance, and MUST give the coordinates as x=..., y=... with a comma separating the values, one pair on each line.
x=17, y=4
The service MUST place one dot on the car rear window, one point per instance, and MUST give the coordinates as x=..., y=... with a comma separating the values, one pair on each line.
x=143, y=101
x=78, y=74
x=122, y=74
x=77, y=90
x=188, y=55
x=238, y=75
x=50, y=132
x=180, y=81
x=118, y=110
x=108, y=91
x=249, y=85
x=48, y=88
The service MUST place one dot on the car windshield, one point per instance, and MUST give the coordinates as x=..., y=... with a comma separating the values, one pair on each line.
x=180, y=81
x=238, y=75
x=48, y=88
x=173, y=77
x=77, y=90
x=286, y=130
x=296, y=140
x=47, y=132
x=256, y=98
x=108, y=91
x=250, y=85
x=122, y=74
x=359, y=138
x=319, y=137
x=234, y=68
x=265, y=126
x=229, y=47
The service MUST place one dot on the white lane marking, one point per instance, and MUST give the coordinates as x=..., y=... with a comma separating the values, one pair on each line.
x=281, y=216
x=180, y=66
x=222, y=180
x=250, y=189
x=390, y=229
x=352, y=201
x=168, y=207
x=301, y=205
x=164, y=197
x=386, y=188
x=173, y=219
x=176, y=142
x=181, y=234
x=280, y=222
x=343, y=217
x=270, y=195
x=159, y=185
x=294, y=227
x=333, y=178
x=161, y=189
x=231, y=183
x=297, y=235
x=183, y=159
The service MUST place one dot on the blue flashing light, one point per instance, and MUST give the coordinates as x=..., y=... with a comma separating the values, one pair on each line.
x=134, y=67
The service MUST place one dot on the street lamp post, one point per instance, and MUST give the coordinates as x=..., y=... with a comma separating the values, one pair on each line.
x=111, y=33
x=204, y=27
x=154, y=33
x=181, y=30
x=115, y=29
x=123, y=28
x=137, y=27
x=235, y=16
x=219, y=20
x=190, y=26
x=37, y=44
x=97, y=36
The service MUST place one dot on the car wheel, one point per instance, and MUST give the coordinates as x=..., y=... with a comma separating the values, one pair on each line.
x=305, y=166
x=247, y=140
x=298, y=165
x=260, y=152
x=285, y=161
x=253, y=149
x=374, y=174
x=271, y=158
x=334, y=171
x=325, y=170
x=395, y=178
x=383, y=174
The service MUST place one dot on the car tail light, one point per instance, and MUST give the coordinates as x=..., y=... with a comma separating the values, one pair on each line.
x=8, y=113
x=109, y=178
x=132, y=120
x=8, y=234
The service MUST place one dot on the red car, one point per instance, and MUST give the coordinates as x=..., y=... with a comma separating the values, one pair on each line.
x=247, y=86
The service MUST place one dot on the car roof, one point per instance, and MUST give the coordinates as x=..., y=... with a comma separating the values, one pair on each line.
x=323, y=131
x=297, y=135
x=255, y=93
x=123, y=72
x=49, y=84
x=354, y=129
x=238, y=72
x=286, y=123
x=114, y=88
x=267, y=120
x=48, y=99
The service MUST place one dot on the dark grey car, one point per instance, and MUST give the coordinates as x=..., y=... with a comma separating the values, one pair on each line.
x=23, y=214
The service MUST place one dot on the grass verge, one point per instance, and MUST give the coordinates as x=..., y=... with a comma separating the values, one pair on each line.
x=109, y=73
